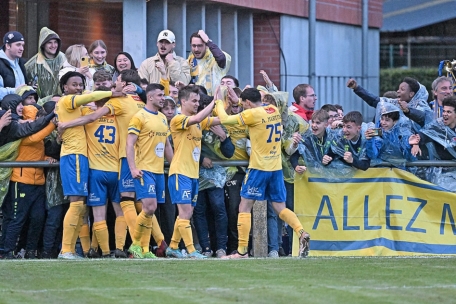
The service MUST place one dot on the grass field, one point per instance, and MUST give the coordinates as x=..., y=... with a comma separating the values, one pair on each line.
x=284, y=280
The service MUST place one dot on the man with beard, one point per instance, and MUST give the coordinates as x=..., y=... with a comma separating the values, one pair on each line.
x=176, y=67
x=207, y=62
x=305, y=98
x=43, y=68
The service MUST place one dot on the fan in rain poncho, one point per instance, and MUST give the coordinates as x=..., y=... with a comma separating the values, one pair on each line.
x=392, y=143
x=315, y=143
x=411, y=92
x=439, y=137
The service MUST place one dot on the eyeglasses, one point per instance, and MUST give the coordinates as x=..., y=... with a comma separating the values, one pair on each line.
x=312, y=95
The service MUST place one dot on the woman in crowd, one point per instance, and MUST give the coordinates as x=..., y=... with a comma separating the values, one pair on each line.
x=123, y=61
x=76, y=55
x=98, y=52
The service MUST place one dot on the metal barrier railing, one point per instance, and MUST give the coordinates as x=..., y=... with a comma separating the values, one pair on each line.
x=232, y=163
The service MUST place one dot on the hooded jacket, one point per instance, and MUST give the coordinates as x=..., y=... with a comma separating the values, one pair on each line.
x=42, y=70
x=31, y=149
x=16, y=130
x=8, y=81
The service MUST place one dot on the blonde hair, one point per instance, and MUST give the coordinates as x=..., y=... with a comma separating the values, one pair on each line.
x=74, y=53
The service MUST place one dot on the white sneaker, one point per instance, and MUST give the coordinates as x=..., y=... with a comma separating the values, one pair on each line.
x=273, y=254
x=220, y=253
x=67, y=256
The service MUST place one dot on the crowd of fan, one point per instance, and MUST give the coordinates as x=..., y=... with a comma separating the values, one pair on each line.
x=324, y=141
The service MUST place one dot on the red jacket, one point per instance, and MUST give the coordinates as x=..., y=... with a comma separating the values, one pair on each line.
x=306, y=114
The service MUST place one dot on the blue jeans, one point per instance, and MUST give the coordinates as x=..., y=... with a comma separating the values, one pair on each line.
x=289, y=203
x=273, y=236
x=215, y=199
x=53, y=224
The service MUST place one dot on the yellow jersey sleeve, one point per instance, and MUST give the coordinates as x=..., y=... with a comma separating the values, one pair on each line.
x=135, y=125
x=115, y=106
x=179, y=122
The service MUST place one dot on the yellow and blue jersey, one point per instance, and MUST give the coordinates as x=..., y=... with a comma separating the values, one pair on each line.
x=152, y=131
x=124, y=108
x=265, y=130
x=102, y=142
x=187, y=145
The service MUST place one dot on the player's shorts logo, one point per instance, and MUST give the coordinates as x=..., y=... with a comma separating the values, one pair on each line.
x=93, y=198
x=186, y=194
x=151, y=189
x=253, y=191
x=128, y=183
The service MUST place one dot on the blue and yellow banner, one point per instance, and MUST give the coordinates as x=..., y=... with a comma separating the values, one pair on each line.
x=379, y=212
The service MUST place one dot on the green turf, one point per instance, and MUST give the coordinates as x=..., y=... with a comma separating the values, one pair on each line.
x=284, y=280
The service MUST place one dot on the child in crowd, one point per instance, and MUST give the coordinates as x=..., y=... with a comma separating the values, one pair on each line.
x=393, y=141
x=349, y=148
x=313, y=146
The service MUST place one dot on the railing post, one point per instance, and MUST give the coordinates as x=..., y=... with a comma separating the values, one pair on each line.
x=260, y=229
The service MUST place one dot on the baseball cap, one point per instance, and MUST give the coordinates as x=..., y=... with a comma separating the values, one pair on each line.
x=167, y=35
x=12, y=37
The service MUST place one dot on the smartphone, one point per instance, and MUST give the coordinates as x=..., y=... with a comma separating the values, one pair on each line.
x=377, y=132
x=84, y=62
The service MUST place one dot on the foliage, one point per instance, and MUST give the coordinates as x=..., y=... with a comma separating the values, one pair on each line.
x=391, y=78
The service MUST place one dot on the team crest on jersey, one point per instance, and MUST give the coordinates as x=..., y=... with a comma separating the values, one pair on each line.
x=269, y=110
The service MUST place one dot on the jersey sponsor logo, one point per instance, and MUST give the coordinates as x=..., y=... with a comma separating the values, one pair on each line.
x=160, y=149
x=191, y=137
x=186, y=194
x=269, y=110
x=93, y=198
x=196, y=154
x=253, y=191
x=154, y=133
x=151, y=189
x=136, y=98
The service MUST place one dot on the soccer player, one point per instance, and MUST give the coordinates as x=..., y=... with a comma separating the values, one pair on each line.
x=186, y=130
x=73, y=159
x=103, y=151
x=147, y=145
x=264, y=178
x=124, y=108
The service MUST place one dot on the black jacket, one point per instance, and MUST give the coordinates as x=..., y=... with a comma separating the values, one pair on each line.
x=7, y=73
x=16, y=130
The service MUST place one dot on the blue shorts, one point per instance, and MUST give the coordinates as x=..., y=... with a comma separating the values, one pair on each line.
x=102, y=185
x=151, y=185
x=183, y=189
x=74, y=169
x=126, y=183
x=264, y=185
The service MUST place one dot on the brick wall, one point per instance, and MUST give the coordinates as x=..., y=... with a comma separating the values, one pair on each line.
x=340, y=11
x=84, y=23
x=266, y=52
x=12, y=15
x=349, y=11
